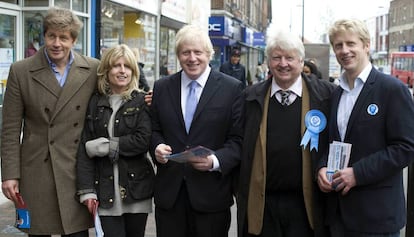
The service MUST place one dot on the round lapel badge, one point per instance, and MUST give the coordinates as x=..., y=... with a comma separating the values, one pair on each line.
x=372, y=109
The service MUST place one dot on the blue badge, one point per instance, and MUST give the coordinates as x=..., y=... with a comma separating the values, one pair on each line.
x=315, y=122
x=372, y=109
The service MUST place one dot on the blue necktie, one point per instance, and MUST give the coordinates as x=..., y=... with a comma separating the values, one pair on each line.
x=191, y=105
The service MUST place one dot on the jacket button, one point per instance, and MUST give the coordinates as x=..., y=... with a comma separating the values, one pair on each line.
x=117, y=121
x=76, y=141
x=75, y=124
x=122, y=192
x=96, y=182
x=111, y=200
x=111, y=177
x=78, y=107
x=132, y=175
x=51, y=125
x=51, y=142
x=47, y=110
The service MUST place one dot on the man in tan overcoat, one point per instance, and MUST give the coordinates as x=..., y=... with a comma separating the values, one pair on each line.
x=43, y=115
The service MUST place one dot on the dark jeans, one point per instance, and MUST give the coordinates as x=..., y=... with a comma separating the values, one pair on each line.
x=84, y=233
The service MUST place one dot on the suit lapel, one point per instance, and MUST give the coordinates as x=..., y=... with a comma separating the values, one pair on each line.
x=334, y=113
x=360, y=102
x=212, y=85
x=174, y=89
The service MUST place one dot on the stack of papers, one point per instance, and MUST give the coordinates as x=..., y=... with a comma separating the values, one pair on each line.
x=338, y=158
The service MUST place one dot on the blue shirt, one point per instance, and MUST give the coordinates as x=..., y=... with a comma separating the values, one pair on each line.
x=60, y=78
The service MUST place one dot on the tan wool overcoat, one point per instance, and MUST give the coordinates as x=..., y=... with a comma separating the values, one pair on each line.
x=50, y=120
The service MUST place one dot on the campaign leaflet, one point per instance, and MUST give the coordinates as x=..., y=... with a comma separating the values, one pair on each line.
x=338, y=158
x=22, y=213
x=182, y=157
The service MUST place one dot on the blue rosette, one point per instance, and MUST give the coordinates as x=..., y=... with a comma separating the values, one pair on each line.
x=315, y=122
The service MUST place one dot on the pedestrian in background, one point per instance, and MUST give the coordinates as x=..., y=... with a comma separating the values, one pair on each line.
x=112, y=166
x=195, y=106
x=43, y=114
x=143, y=83
x=278, y=194
x=310, y=70
x=260, y=73
x=234, y=68
x=373, y=112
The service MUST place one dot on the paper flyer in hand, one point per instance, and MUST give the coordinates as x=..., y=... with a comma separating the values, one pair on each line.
x=97, y=220
x=22, y=213
x=182, y=157
x=338, y=158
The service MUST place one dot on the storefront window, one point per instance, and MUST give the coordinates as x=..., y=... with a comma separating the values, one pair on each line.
x=168, y=62
x=10, y=1
x=33, y=37
x=62, y=4
x=7, y=49
x=125, y=25
x=80, y=5
x=77, y=5
x=36, y=3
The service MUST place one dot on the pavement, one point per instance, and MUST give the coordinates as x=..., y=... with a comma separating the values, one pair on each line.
x=7, y=219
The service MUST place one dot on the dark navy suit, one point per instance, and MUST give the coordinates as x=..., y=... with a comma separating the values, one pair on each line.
x=217, y=124
x=382, y=145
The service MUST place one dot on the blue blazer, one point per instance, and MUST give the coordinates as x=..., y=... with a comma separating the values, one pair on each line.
x=382, y=145
x=217, y=124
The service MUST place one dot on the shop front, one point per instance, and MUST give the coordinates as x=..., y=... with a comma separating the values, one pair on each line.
x=125, y=22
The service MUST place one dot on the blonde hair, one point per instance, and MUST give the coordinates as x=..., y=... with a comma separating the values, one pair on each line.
x=191, y=34
x=350, y=25
x=107, y=63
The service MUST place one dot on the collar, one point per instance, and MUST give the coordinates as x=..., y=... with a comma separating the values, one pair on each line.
x=201, y=80
x=295, y=88
x=362, y=78
x=52, y=64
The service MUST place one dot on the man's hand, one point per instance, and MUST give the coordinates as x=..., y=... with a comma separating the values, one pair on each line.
x=10, y=188
x=323, y=181
x=161, y=151
x=148, y=98
x=201, y=163
x=343, y=180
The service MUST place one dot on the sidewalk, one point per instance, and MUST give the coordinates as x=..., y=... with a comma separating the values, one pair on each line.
x=7, y=215
x=2, y=198
x=7, y=218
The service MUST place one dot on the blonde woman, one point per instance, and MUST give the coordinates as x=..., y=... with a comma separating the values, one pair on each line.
x=113, y=167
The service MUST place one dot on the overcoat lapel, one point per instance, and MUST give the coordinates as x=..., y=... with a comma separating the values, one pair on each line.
x=77, y=76
x=43, y=75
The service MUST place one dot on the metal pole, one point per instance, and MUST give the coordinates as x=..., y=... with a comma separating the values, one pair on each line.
x=303, y=21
